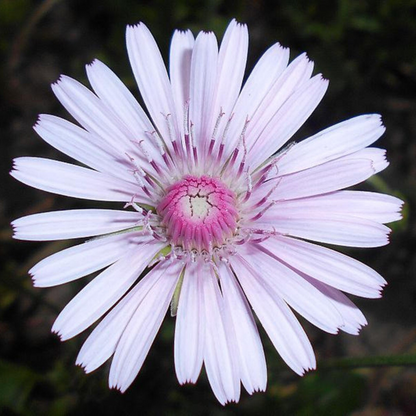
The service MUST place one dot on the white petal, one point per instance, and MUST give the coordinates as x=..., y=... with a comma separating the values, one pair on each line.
x=283, y=328
x=336, y=141
x=180, y=71
x=116, y=96
x=132, y=120
x=327, y=266
x=71, y=180
x=76, y=223
x=190, y=330
x=257, y=87
x=368, y=205
x=81, y=145
x=103, y=291
x=203, y=88
x=249, y=349
x=103, y=341
x=219, y=355
x=93, y=115
x=377, y=157
x=152, y=79
x=232, y=60
x=333, y=229
x=293, y=79
x=331, y=176
x=330, y=228
x=81, y=260
x=353, y=318
x=142, y=328
x=296, y=291
x=287, y=120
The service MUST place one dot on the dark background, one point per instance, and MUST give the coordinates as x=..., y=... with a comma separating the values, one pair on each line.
x=366, y=48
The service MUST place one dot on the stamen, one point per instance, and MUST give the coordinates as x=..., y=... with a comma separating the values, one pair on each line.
x=265, y=234
x=249, y=186
x=146, y=223
x=147, y=226
x=135, y=206
x=266, y=197
x=229, y=164
x=167, y=161
x=186, y=131
x=223, y=137
x=233, y=157
x=137, y=169
x=243, y=161
x=159, y=237
x=151, y=161
x=159, y=142
x=177, y=149
x=227, y=126
x=188, y=146
x=214, y=133
x=261, y=175
x=157, y=168
x=194, y=148
x=220, y=152
x=243, y=240
x=262, y=212
x=147, y=177
x=146, y=154
x=154, y=136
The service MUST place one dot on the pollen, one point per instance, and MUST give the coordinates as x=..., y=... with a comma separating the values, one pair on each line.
x=198, y=213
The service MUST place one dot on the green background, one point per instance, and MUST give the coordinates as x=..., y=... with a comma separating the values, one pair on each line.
x=367, y=49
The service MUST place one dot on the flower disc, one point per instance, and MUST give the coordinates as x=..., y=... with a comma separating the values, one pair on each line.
x=199, y=213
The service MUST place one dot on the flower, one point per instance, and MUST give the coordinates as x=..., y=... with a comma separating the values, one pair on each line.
x=215, y=222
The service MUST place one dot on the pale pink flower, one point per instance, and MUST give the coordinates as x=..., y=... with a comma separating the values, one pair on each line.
x=215, y=222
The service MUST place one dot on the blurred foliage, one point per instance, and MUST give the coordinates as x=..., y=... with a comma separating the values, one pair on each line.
x=367, y=50
x=17, y=383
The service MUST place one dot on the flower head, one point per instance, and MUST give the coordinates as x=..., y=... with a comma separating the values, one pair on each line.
x=218, y=210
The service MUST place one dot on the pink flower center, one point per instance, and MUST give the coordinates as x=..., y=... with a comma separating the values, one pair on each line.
x=199, y=213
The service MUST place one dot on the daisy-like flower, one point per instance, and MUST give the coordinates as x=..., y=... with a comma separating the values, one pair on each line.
x=216, y=212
